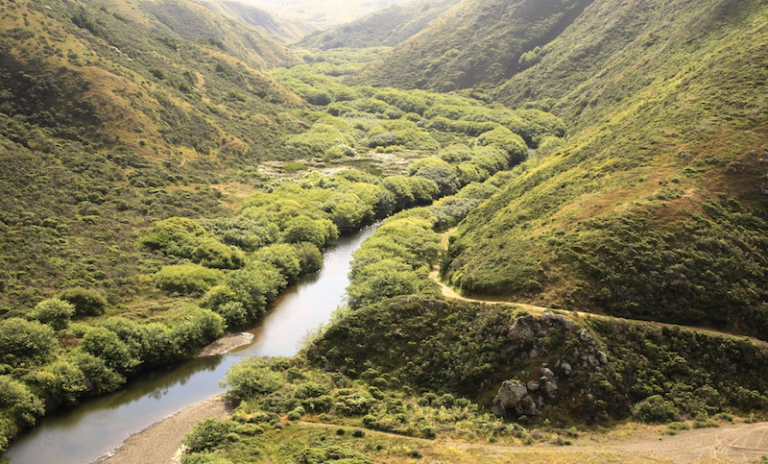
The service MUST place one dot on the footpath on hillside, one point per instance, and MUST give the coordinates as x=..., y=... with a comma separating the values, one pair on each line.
x=450, y=293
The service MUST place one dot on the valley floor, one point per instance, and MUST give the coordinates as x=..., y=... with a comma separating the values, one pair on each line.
x=161, y=444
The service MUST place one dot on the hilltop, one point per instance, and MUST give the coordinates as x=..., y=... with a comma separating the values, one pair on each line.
x=476, y=43
x=324, y=13
x=387, y=27
x=282, y=29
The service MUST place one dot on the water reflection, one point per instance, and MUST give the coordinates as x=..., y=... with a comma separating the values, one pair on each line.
x=83, y=433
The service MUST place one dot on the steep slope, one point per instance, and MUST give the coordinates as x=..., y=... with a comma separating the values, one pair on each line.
x=655, y=207
x=325, y=13
x=110, y=120
x=476, y=43
x=282, y=29
x=387, y=27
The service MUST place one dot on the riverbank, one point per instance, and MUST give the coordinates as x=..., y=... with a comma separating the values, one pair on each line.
x=160, y=442
x=226, y=344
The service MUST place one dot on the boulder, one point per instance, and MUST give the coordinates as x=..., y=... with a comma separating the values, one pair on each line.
x=533, y=386
x=524, y=327
x=512, y=393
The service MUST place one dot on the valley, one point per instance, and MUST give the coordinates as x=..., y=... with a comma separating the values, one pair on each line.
x=568, y=198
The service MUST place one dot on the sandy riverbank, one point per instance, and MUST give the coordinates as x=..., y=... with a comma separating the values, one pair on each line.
x=226, y=344
x=160, y=442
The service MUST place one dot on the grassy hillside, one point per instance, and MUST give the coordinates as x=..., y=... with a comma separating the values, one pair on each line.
x=387, y=27
x=655, y=207
x=279, y=28
x=325, y=13
x=477, y=43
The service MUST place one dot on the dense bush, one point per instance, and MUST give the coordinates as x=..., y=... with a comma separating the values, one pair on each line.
x=53, y=312
x=187, y=279
x=24, y=341
x=251, y=377
x=87, y=302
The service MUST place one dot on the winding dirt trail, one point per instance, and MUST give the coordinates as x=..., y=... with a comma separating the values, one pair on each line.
x=450, y=293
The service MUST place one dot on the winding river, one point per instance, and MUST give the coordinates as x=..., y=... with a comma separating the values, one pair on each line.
x=82, y=434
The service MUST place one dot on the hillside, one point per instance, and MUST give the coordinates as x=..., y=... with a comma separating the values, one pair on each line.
x=324, y=13
x=387, y=27
x=116, y=116
x=279, y=28
x=477, y=43
x=654, y=207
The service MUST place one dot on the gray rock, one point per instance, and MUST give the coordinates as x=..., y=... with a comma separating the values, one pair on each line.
x=685, y=155
x=498, y=408
x=533, y=353
x=602, y=357
x=512, y=393
x=551, y=389
x=527, y=407
x=533, y=386
x=545, y=372
x=566, y=368
x=524, y=327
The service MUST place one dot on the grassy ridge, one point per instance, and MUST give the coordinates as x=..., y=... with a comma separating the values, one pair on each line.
x=387, y=27
x=284, y=30
x=654, y=206
x=473, y=44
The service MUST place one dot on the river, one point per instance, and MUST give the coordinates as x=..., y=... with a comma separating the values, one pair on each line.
x=83, y=433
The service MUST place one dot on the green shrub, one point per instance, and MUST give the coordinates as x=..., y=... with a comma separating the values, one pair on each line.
x=217, y=255
x=87, y=302
x=53, y=312
x=187, y=279
x=656, y=409
x=18, y=403
x=105, y=344
x=22, y=341
x=176, y=236
x=251, y=377
x=679, y=426
x=209, y=433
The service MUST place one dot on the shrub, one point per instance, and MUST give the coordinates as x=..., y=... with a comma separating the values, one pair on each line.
x=187, y=279
x=251, y=377
x=18, y=402
x=87, y=302
x=209, y=433
x=656, y=409
x=105, y=344
x=679, y=426
x=234, y=314
x=22, y=340
x=53, y=312
x=217, y=255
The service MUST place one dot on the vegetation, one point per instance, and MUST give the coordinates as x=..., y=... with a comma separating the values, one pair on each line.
x=652, y=209
x=387, y=27
x=167, y=172
x=475, y=44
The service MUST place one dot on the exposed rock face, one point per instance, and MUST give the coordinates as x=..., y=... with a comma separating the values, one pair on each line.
x=532, y=389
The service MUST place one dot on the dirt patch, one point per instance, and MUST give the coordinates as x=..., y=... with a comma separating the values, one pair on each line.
x=226, y=344
x=159, y=443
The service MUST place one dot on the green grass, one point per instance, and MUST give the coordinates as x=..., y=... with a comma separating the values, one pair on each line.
x=616, y=220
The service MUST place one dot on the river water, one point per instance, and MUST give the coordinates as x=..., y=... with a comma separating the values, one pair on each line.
x=82, y=434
